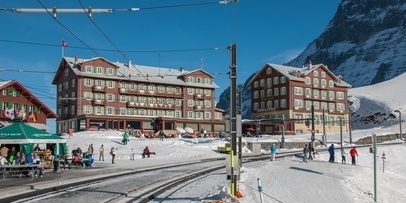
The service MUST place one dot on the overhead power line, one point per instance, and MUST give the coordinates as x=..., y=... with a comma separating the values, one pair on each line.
x=26, y=71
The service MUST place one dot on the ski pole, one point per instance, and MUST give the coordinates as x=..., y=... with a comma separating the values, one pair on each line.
x=260, y=190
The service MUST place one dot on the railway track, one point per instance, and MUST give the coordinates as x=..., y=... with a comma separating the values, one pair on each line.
x=141, y=185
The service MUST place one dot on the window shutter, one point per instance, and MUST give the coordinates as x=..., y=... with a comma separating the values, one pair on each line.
x=35, y=108
x=1, y=105
x=10, y=105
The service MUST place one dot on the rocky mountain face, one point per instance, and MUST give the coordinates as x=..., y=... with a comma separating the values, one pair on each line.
x=365, y=43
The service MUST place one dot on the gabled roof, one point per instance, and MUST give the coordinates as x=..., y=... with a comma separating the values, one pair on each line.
x=13, y=83
x=290, y=72
x=136, y=73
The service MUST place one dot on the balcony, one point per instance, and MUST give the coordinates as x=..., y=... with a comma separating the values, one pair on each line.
x=131, y=104
x=197, y=108
x=97, y=88
x=199, y=96
x=98, y=102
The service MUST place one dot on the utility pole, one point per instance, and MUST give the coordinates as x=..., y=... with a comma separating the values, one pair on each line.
x=239, y=126
x=313, y=136
x=324, y=127
x=233, y=113
x=283, y=132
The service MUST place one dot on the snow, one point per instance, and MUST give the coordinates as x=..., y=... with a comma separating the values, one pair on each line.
x=287, y=179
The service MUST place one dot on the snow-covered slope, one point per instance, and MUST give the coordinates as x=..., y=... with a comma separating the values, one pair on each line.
x=375, y=105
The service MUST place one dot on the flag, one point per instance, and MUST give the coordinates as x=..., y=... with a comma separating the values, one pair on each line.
x=64, y=43
x=32, y=116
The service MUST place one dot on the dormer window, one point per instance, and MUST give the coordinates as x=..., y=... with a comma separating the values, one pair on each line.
x=268, y=71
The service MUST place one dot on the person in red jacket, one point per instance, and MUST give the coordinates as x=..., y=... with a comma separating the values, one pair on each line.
x=353, y=153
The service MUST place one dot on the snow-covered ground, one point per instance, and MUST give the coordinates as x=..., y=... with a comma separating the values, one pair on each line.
x=284, y=180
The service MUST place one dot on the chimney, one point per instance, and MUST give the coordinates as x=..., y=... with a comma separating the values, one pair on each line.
x=181, y=69
x=129, y=63
x=76, y=60
x=310, y=64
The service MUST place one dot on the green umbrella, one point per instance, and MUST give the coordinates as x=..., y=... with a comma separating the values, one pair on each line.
x=22, y=133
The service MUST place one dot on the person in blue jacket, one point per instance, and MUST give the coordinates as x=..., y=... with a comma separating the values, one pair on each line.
x=331, y=152
x=273, y=152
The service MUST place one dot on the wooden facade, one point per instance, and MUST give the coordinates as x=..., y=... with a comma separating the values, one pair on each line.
x=98, y=94
x=291, y=93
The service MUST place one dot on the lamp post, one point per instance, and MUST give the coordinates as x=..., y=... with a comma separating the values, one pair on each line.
x=400, y=123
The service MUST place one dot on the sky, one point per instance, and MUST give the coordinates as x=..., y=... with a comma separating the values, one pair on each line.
x=168, y=34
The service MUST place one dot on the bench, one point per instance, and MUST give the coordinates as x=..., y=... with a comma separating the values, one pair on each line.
x=18, y=170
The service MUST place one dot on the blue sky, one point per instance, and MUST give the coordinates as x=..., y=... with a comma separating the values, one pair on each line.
x=264, y=31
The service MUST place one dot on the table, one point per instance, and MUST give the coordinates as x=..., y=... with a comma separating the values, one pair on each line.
x=17, y=169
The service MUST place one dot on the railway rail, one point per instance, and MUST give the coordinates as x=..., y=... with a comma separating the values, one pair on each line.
x=142, y=185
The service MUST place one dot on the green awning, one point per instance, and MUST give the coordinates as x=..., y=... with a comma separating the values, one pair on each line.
x=22, y=133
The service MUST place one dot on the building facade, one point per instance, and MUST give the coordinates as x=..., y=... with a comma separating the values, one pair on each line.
x=290, y=93
x=99, y=94
x=16, y=102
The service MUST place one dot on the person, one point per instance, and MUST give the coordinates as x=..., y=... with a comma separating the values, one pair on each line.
x=12, y=154
x=39, y=171
x=161, y=135
x=37, y=148
x=17, y=159
x=204, y=133
x=29, y=159
x=146, y=152
x=305, y=152
x=3, y=161
x=220, y=134
x=273, y=152
x=78, y=150
x=89, y=160
x=90, y=149
x=125, y=138
x=77, y=159
x=343, y=154
x=22, y=160
x=353, y=153
x=101, y=153
x=310, y=150
x=113, y=154
x=4, y=151
x=142, y=136
x=331, y=152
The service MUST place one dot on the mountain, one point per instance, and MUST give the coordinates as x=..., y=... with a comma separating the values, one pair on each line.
x=365, y=43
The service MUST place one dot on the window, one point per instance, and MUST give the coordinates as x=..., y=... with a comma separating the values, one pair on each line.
x=283, y=103
x=323, y=74
x=66, y=72
x=191, y=79
x=262, y=82
x=73, y=82
x=132, y=86
x=315, y=73
x=123, y=111
x=331, y=95
x=110, y=84
x=316, y=94
x=269, y=82
x=110, y=97
x=256, y=84
x=256, y=95
x=177, y=90
x=88, y=82
x=256, y=105
x=99, y=96
x=323, y=83
x=190, y=91
x=89, y=69
x=298, y=103
x=262, y=105
x=316, y=105
x=276, y=91
x=122, y=98
x=283, y=90
x=66, y=85
x=283, y=79
x=5, y=91
x=276, y=103
x=190, y=114
x=308, y=92
x=340, y=95
x=123, y=85
x=315, y=82
x=178, y=114
x=99, y=110
x=99, y=70
x=87, y=95
x=87, y=109
x=262, y=93
x=268, y=71
x=110, y=71
x=269, y=104
x=198, y=80
x=190, y=102
x=141, y=87
x=207, y=92
x=269, y=92
x=59, y=89
x=207, y=115
x=276, y=80
x=307, y=81
x=99, y=83
x=331, y=83
x=298, y=91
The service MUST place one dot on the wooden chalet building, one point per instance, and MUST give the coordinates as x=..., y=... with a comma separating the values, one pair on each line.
x=16, y=102
x=282, y=91
x=100, y=94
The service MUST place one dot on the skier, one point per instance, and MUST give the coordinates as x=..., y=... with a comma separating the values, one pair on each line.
x=331, y=152
x=343, y=154
x=305, y=152
x=273, y=152
x=353, y=153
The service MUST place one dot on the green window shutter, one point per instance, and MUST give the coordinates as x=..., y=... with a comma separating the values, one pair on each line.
x=19, y=106
x=10, y=92
x=10, y=105
x=1, y=105
x=35, y=108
